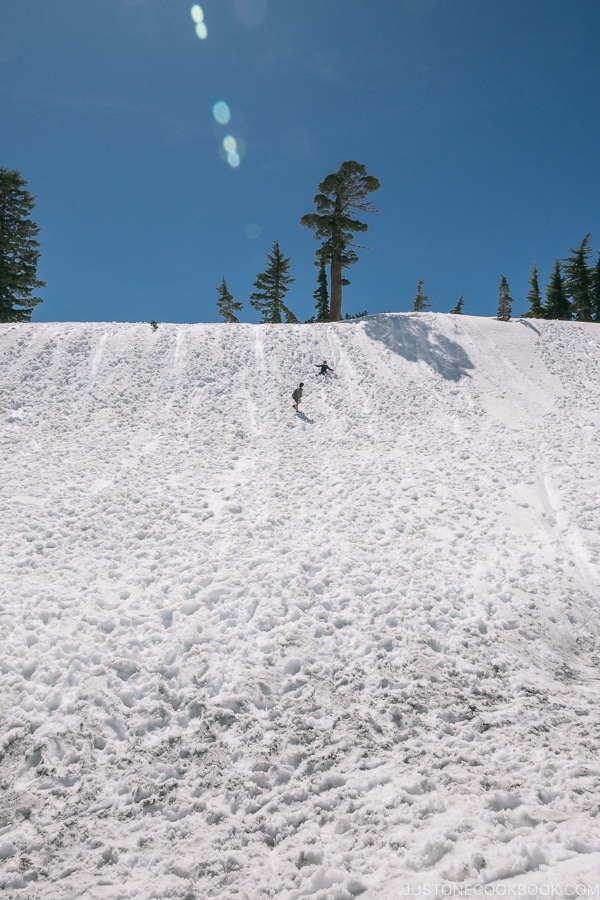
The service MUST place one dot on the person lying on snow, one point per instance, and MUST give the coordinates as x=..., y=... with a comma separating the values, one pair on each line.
x=323, y=368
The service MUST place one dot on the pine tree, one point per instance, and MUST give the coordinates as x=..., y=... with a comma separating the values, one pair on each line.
x=457, y=311
x=340, y=195
x=272, y=286
x=534, y=297
x=321, y=295
x=18, y=249
x=578, y=281
x=226, y=305
x=421, y=301
x=596, y=290
x=505, y=301
x=557, y=302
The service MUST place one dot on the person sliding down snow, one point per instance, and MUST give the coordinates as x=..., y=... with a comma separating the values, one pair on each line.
x=323, y=368
x=297, y=395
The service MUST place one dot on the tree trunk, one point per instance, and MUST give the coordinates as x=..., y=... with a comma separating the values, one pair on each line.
x=335, y=307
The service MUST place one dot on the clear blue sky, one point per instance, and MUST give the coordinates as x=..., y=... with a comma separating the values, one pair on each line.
x=480, y=118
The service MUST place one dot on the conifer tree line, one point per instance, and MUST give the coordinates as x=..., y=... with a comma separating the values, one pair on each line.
x=341, y=196
x=573, y=290
x=334, y=224
x=422, y=303
x=572, y=293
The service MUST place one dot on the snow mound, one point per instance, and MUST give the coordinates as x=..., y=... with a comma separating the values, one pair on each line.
x=347, y=652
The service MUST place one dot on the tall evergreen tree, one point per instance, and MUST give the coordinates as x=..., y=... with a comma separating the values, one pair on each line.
x=421, y=301
x=226, y=305
x=340, y=196
x=578, y=281
x=458, y=309
x=19, y=253
x=321, y=295
x=505, y=301
x=534, y=297
x=557, y=302
x=272, y=286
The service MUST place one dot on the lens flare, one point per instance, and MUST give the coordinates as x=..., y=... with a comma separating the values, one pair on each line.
x=232, y=150
x=221, y=112
x=197, y=15
x=252, y=230
x=229, y=144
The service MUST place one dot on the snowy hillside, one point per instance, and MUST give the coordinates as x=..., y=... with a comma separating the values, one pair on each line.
x=351, y=652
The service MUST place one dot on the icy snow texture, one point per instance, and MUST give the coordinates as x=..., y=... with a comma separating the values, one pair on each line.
x=250, y=653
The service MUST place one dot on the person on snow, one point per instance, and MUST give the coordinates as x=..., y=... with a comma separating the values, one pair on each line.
x=297, y=395
x=323, y=368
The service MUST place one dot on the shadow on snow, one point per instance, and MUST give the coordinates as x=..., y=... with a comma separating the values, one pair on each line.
x=414, y=339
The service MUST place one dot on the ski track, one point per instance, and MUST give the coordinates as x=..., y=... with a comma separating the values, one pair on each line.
x=253, y=653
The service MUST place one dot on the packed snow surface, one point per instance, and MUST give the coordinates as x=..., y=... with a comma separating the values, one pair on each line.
x=249, y=653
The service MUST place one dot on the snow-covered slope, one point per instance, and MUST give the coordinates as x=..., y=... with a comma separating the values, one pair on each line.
x=248, y=653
